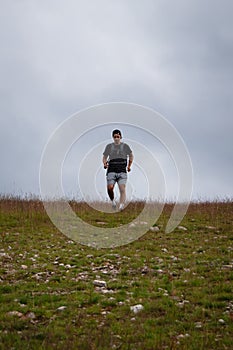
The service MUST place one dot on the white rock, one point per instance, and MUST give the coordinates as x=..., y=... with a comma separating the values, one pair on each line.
x=15, y=313
x=198, y=325
x=61, y=308
x=136, y=308
x=164, y=250
x=182, y=228
x=221, y=321
x=30, y=315
x=5, y=255
x=24, y=267
x=100, y=283
x=154, y=228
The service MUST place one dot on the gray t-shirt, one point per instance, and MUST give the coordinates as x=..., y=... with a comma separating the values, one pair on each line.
x=117, y=156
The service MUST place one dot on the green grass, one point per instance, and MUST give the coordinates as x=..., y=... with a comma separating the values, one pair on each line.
x=184, y=280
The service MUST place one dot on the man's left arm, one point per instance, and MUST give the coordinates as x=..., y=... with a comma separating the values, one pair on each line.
x=130, y=161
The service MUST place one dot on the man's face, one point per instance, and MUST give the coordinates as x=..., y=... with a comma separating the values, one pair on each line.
x=117, y=138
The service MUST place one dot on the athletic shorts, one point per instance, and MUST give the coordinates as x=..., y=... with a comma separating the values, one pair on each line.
x=120, y=178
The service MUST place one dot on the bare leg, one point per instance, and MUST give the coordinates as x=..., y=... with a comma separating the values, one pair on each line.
x=122, y=193
x=110, y=189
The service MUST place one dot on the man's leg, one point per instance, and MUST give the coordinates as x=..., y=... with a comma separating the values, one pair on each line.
x=122, y=185
x=122, y=193
x=110, y=189
x=111, y=180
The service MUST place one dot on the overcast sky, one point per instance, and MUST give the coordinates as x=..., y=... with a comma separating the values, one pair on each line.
x=175, y=56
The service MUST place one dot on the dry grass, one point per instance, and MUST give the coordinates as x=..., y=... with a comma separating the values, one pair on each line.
x=182, y=279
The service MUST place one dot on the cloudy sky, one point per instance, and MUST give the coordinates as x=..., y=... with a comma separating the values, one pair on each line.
x=59, y=57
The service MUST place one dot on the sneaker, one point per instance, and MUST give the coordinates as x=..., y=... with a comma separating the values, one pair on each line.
x=114, y=205
x=121, y=207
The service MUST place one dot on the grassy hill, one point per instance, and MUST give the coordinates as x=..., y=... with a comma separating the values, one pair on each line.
x=52, y=296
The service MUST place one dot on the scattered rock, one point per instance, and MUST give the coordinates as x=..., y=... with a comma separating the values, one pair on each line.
x=198, y=325
x=221, y=321
x=15, y=313
x=30, y=315
x=5, y=256
x=100, y=283
x=182, y=303
x=136, y=308
x=145, y=270
x=61, y=308
x=182, y=336
x=154, y=229
x=227, y=266
x=24, y=267
x=182, y=228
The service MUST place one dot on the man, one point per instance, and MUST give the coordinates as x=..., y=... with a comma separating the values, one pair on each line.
x=117, y=157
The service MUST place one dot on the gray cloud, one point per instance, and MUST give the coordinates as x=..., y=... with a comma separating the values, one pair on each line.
x=175, y=57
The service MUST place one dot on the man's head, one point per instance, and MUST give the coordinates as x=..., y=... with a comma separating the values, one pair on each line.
x=116, y=134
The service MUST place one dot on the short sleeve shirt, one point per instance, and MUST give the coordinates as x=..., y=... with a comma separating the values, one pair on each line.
x=117, y=156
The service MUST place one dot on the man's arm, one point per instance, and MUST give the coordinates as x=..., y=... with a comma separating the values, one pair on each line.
x=105, y=157
x=105, y=163
x=130, y=161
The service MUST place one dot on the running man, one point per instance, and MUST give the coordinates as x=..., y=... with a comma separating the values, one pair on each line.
x=117, y=159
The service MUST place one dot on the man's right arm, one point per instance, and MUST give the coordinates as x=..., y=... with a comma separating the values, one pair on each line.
x=105, y=163
x=105, y=157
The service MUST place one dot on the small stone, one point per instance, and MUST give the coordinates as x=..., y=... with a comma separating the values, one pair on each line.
x=30, y=315
x=143, y=223
x=100, y=283
x=221, y=321
x=154, y=229
x=180, y=336
x=15, y=313
x=198, y=325
x=182, y=228
x=24, y=267
x=164, y=250
x=136, y=308
x=5, y=256
x=61, y=308
x=104, y=312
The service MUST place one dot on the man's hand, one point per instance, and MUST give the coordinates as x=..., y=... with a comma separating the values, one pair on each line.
x=128, y=168
x=105, y=165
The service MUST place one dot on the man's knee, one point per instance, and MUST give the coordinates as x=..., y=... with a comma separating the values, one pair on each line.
x=110, y=187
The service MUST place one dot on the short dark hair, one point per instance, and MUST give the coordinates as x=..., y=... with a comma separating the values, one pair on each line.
x=116, y=131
